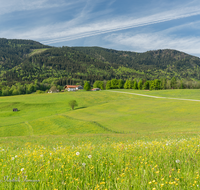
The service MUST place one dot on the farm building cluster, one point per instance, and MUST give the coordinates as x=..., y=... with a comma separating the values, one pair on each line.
x=78, y=87
x=73, y=88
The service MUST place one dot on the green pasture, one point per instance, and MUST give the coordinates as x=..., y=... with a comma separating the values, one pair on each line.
x=110, y=141
x=172, y=93
x=99, y=112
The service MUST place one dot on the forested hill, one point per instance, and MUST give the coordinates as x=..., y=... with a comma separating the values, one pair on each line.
x=13, y=52
x=154, y=64
x=27, y=61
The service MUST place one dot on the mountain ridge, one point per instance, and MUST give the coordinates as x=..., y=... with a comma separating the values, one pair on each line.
x=24, y=61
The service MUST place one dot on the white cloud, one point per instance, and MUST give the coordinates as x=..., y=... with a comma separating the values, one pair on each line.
x=153, y=41
x=65, y=33
x=80, y=27
x=27, y=5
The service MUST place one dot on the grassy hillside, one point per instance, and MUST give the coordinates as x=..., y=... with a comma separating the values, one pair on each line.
x=98, y=112
x=47, y=146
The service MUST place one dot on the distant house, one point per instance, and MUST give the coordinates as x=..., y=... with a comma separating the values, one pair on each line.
x=73, y=87
x=15, y=109
x=96, y=89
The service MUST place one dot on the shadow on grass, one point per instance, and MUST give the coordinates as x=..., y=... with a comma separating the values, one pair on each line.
x=80, y=108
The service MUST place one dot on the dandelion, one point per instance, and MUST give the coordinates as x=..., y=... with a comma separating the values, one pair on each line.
x=77, y=153
x=12, y=158
x=84, y=164
x=41, y=155
x=177, y=161
x=22, y=169
x=15, y=156
x=90, y=156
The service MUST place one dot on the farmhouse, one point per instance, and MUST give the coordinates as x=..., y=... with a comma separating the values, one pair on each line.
x=73, y=87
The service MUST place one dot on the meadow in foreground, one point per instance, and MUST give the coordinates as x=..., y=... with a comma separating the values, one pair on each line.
x=100, y=162
x=47, y=146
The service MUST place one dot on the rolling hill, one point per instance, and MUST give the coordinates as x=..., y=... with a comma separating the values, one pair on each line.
x=26, y=61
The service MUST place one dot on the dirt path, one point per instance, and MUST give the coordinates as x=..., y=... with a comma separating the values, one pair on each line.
x=156, y=96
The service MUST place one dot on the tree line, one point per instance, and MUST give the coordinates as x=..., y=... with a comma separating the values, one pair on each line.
x=143, y=84
x=137, y=84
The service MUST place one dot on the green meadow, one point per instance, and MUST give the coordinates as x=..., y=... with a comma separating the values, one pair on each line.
x=110, y=141
x=99, y=112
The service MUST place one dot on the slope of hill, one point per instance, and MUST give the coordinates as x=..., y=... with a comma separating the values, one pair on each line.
x=25, y=61
x=13, y=52
x=155, y=64
x=99, y=112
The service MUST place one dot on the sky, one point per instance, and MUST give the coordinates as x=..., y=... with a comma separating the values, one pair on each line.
x=128, y=25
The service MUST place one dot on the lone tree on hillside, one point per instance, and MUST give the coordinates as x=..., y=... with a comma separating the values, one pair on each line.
x=73, y=103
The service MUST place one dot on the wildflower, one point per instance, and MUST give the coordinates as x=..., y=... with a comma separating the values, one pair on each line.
x=12, y=158
x=177, y=161
x=22, y=169
x=15, y=156
x=77, y=153
x=90, y=156
x=41, y=155
x=84, y=164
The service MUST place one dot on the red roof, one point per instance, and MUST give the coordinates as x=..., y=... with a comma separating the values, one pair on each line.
x=72, y=86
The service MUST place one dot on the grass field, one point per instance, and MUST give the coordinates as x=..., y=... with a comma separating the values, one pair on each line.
x=99, y=112
x=110, y=141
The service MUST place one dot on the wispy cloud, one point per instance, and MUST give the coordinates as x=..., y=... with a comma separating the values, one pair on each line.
x=86, y=23
x=113, y=25
x=21, y=5
x=157, y=40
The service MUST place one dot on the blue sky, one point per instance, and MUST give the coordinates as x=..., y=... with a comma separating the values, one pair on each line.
x=123, y=25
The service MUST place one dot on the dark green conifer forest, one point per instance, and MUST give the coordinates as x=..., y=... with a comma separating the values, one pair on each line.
x=27, y=66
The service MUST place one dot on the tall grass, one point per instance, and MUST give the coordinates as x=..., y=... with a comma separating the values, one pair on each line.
x=101, y=163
